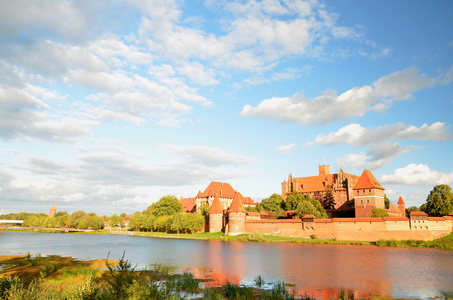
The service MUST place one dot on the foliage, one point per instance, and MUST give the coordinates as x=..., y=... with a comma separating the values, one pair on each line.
x=379, y=213
x=255, y=237
x=293, y=200
x=121, y=276
x=439, y=201
x=311, y=207
x=234, y=291
x=411, y=209
x=273, y=204
x=329, y=201
x=386, y=202
x=166, y=206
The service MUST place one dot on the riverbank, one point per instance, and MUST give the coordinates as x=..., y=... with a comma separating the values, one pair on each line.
x=445, y=243
x=54, y=277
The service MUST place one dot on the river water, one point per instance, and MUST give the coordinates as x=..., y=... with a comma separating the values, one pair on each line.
x=319, y=270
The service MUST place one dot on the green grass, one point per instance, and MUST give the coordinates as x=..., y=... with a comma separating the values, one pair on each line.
x=443, y=243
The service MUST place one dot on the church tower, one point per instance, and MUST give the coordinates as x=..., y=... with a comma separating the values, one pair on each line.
x=402, y=207
x=52, y=211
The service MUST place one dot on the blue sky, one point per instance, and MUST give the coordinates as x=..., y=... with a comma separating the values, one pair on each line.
x=106, y=106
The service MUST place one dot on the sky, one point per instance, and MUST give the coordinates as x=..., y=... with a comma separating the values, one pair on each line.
x=107, y=106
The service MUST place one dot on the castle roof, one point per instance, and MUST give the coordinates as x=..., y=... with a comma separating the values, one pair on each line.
x=236, y=205
x=53, y=207
x=320, y=182
x=216, y=207
x=248, y=200
x=367, y=181
x=418, y=213
x=222, y=189
x=188, y=204
x=400, y=201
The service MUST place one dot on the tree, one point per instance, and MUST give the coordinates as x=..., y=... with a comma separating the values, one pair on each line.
x=293, y=200
x=386, y=202
x=273, y=204
x=379, y=213
x=329, y=201
x=439, y=201
x=311, y=207
x=166, y=206
x=411, y=209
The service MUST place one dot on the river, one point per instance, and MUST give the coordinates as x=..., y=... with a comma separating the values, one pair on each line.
x=319, y=270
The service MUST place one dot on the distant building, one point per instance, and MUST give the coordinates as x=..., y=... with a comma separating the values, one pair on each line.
x=224, y=192
x=52, y=211
x=357, y=196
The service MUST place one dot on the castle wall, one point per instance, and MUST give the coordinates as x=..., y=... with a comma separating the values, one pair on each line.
x=352, y=229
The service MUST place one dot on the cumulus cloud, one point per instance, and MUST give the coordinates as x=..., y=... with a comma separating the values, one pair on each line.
x=375, y=157
x=357, y=135
x=209, y=156
x=286, y=148
x=331, y=107
x=417, y=175
x=23, y=117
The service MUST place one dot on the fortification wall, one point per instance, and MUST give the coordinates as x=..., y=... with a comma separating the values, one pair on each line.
x=371, y=229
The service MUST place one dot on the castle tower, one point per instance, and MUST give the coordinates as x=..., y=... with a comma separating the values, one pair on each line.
x=52, y=211
x=402, y=206
x=236, y=216
x=324, y=170
x=368, y=195
x=215, y=215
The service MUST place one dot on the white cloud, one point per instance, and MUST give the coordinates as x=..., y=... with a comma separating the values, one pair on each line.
x=209, y=156
x=286, y=148
x=417, y=175
x=377, y=156
x=357, y=135
x=23, y=117
x=331, y=107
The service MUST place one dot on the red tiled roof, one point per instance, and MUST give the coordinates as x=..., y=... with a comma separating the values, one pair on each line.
x=367, y=181
x=188, y=204
x=451, y=214
x=318, y=183
x=127, y=218
x=248, y=200
x=252, y=213
x=358, y=220
x=400, y=201
x=236, y=205
x=222, y=189
x=436, y=219
x=53, y=207
x=418, y=213
x=216, y=207
x=308, y=216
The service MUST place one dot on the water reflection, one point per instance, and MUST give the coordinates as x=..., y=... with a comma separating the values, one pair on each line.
x=318, y=270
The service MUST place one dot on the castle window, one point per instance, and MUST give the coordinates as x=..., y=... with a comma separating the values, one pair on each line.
x=368, y=200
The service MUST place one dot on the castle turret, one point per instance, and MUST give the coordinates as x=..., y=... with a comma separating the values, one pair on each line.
x=52, y=211
x=324, y=170
x=402, y=207
x=215, y=215
x=368, y=195
x=236, y=216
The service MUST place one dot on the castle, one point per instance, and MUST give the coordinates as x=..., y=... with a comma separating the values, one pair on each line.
x=358, y=195
x=354, y=195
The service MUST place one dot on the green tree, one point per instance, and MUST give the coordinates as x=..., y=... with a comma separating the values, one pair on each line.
x=411, y=209
x=178, y=222
x=166, y=206
x=440, y=201
x=386, y=202
x=115, y=220
x=379, y=213
x=195, y=222
x=293, y=200
x=75, y=218
x=311, y=207
x=273, y=204
x=329, y=201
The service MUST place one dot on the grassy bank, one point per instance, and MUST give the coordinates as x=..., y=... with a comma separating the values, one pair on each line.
x=54, y=277
x=443, y=243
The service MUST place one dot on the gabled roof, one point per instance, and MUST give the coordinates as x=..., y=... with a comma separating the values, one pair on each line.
x=367, y=181
x=222, y=189
x=400, y=201
x=216, y=207
x=248, y=200
x=236, y=205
